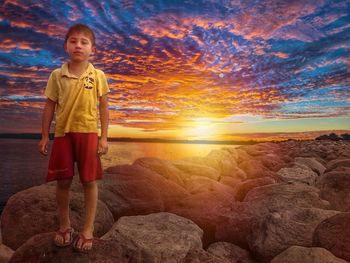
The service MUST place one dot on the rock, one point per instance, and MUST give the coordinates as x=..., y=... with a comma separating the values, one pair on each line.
x=41, y=249
x=127, y=195
x=5, y=253
x=255, y=169
x=33, y=211
x=297, y=173
x=199, y=184
x=201, y=256
x=234, y=224
x=230, y=252
x=297, y=254
x=159, y=237
x=205, y=209
x=334, y=164
x=272, y=161
x=279, y=230
x=280, y=196
x=169, y=191
x=230, y=181
x=162, y=167
x=244, y=187
x=223, y=160
x=335, y=187
x=312, y=163
x=193, y=169
x=333, y=234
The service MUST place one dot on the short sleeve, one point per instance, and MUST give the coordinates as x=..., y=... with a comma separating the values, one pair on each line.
x=102, y=84
x=51, y=90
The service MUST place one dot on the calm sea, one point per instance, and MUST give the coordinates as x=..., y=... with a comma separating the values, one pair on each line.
x=21, y=165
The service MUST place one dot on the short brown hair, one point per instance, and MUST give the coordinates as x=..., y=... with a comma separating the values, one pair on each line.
x=82, y=29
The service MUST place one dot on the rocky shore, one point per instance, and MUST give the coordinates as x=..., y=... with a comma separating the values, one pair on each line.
x=268, y=202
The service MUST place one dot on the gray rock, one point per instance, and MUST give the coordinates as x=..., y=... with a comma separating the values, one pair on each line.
x=280, y=196
x=297, y=173
x=159, y=237
x=230, y=252
x=33, y=211
x=279, y=230
x=297, y=254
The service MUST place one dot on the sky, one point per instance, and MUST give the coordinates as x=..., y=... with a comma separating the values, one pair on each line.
x=191, y=69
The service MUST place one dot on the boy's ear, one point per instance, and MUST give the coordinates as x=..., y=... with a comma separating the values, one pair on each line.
x=65, y=46
x=94, y=49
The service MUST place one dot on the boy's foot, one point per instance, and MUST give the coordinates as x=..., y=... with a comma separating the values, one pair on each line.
x=64, y=238
x=82, y=244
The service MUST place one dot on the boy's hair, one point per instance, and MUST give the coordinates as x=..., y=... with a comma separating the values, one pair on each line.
x=81, y=28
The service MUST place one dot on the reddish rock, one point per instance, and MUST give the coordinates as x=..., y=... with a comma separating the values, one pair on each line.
x=193, y=169
x=33, y=211
x=298, y=174
x=297, y=254
x=312, y=163
x=230, y=252
x=333, y=234
x=242, y=188
x=334, y=164
x=335, y=187
x=255, y=169
x=163, y=167
x=41, y=249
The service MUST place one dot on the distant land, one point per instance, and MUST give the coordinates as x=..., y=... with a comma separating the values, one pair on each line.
x=37, y=136
x=236, y=139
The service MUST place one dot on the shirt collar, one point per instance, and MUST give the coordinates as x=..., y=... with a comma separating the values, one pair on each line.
x=65, y=71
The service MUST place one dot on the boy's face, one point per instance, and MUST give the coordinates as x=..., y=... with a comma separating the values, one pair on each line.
x=79, y=47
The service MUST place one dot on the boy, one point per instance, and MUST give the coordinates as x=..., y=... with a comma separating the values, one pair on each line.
x=76, y=90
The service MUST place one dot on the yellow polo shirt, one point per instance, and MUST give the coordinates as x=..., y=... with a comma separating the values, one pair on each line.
x=77, y=99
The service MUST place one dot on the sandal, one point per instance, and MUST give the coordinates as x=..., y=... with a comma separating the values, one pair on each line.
x=63, y=234
x=84, y=241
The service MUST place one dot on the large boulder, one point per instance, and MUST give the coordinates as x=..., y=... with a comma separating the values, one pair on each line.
x=335, y=187
x=41, y=249
x=241, y=189
x=333, y=234
x=230, y=252
x=254, y=168
x=159, y=237
x=193, y=169
x=280, y=196
x=205, y=209
x=162, y=167
x=336, y=163
x=297, y=254
x=34, y=211
x=199, y=184
x=297, y=173
x=312, y=163
x=279, y=230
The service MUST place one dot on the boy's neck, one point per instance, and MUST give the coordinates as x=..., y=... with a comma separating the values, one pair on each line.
x=77, y=68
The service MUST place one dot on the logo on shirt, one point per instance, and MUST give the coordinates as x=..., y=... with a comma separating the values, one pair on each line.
x=89, y=81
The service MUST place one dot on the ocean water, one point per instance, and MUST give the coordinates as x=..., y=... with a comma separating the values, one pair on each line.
x=22, y=166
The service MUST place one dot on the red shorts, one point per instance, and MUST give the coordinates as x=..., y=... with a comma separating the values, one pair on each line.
x=75, y=147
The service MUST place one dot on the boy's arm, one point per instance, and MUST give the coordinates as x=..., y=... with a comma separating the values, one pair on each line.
x=104, y=119
x=48, y=113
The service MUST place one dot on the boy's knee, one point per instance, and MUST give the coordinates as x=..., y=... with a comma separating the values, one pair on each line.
x=89, y=184
x=64, y=184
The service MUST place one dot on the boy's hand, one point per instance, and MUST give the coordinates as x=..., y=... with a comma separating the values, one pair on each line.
x=42, y=146
x=102, y=147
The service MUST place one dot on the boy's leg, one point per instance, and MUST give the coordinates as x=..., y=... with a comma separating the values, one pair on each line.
x=62, y=199
x=90, y=195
